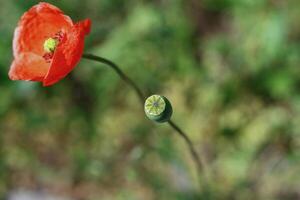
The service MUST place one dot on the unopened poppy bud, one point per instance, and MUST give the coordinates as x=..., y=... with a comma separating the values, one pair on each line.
x=50, y=45
x=158, y=108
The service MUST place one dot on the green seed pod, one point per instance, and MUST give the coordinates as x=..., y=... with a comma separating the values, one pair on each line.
x=50, y=45
x=158, y=108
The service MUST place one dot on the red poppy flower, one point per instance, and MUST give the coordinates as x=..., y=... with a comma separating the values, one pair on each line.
x=47, y=45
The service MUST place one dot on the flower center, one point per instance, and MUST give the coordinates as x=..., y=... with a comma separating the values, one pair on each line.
x=50, y=45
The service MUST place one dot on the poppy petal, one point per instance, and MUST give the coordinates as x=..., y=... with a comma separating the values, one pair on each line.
x=68, y=53
x=28, y=66
x=36, y=25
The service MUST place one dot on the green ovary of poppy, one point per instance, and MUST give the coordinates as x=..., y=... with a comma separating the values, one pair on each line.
x=50, y=45
x=155, y=105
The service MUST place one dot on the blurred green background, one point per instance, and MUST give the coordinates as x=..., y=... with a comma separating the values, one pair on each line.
x=230, y=69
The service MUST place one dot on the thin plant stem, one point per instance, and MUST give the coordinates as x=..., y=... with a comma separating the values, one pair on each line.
x=199, y=162
x=123, y=76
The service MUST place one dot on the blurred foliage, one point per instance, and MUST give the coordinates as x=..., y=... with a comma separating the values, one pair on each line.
x=230, y=68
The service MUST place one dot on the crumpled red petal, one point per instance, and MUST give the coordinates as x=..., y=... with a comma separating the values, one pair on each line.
x=36, y=25
x=28, y=66
x=68, y=53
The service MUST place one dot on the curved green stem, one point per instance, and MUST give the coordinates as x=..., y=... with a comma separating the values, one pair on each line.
x=119, y=72
x=199, y=163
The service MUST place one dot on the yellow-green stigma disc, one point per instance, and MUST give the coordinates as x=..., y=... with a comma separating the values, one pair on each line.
x=155, y=105
x=158, y=108
x=50, y=45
